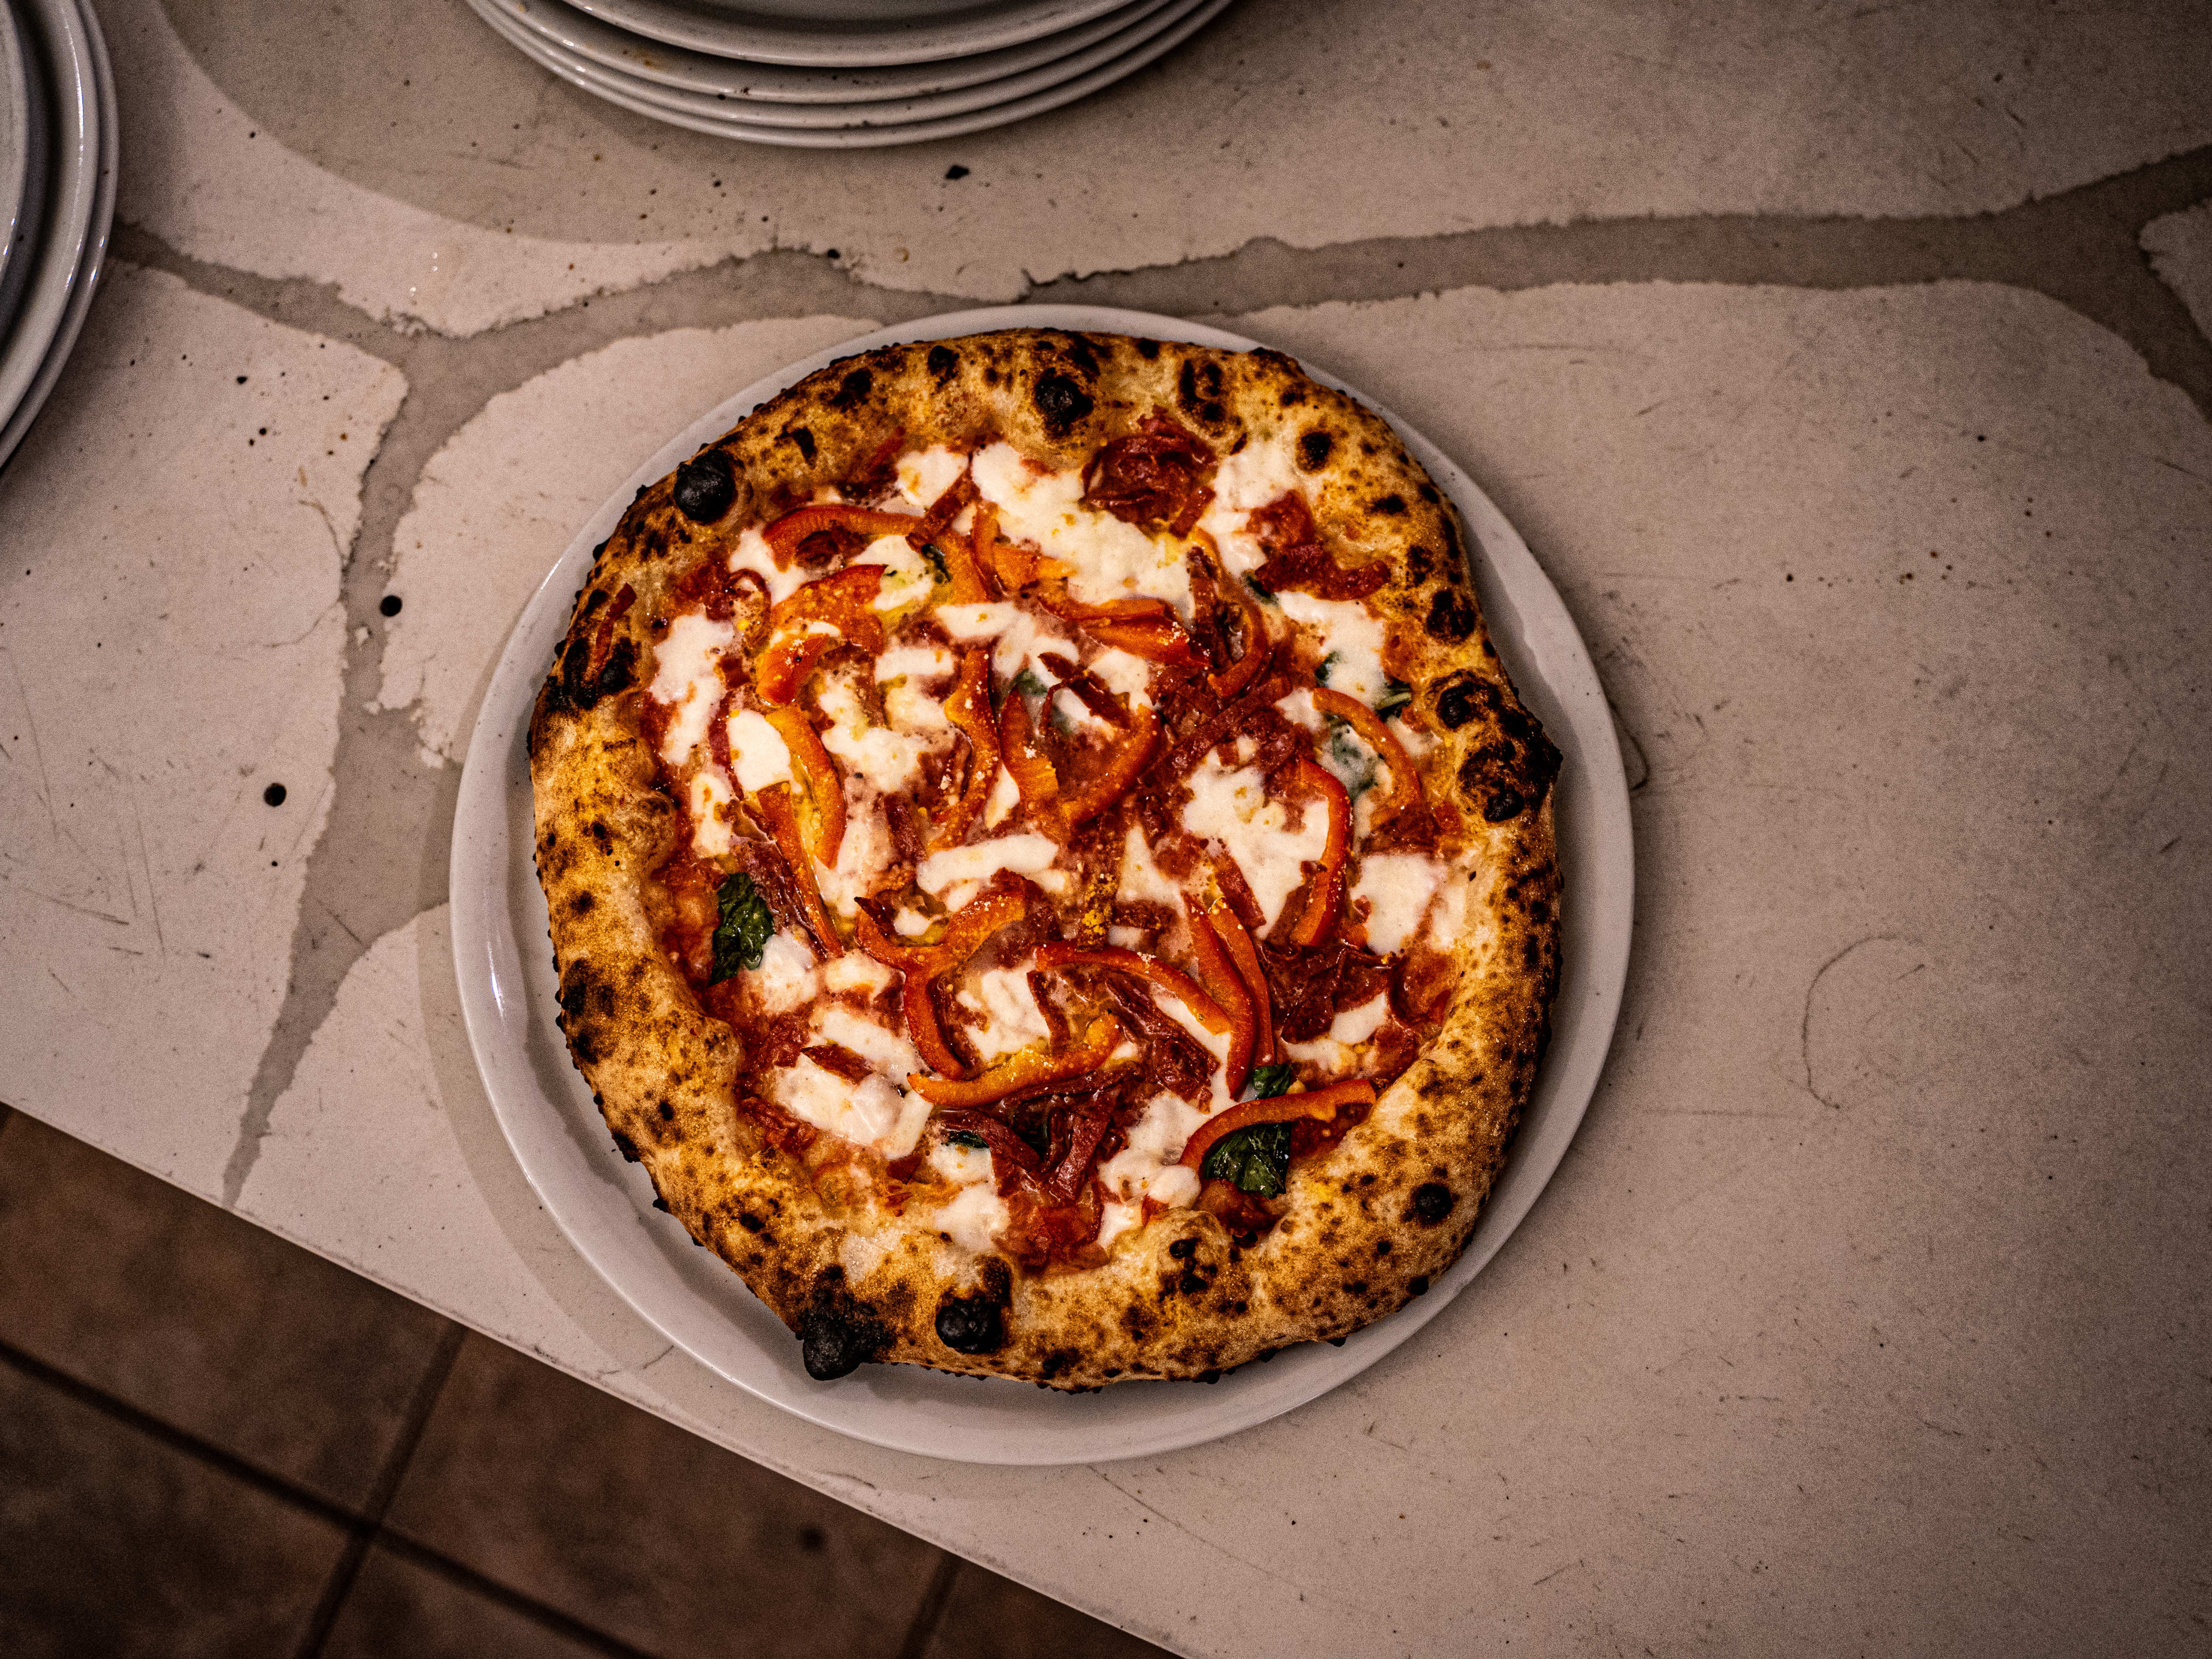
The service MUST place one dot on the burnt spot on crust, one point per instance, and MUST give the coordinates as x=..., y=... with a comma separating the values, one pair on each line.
x=1198, y=390
x=1148, y=350
x=1061, y=400
x=971, y=1324
x=626, y=1147
x=1058, y=1362
x=838, y=1333
x=852, y=392
x=1391, y=507
x=1432, y=1202
x=587, y=1001
x=1451, y=615
x=1313, y=450
x=575, y=686
x=1080, y=354
x=749, y=1222
x=943, y=360
x=582, y=905
x=804, y=439
x=1419, y=561
x=706, y=485
x=1459, y=700
x=1514, y=770
x=1418, y=1285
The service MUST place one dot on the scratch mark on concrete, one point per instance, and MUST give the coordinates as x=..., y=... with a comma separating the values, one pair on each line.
x=1805, y=1024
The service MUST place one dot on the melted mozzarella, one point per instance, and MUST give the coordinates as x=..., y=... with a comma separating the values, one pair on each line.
x=906, y=579
x=1025, y=855
x=886, y=758
x=1448, y=921
x=1005, y=795
x=1124, y=672
x=757, y=753
x=1417, y=744
x=1337, y=1050
x=710, y=826
x=972, y=1219
x=1147, y=1167
x=786, y=978
x=1143, y=880
x=925, y=474
x=911, y=924
x=687, y=674
x=1012, y=1019
x=1397, y=887
x=1107, y=558
x=913, y=662
x=862, y=857
x=1299, y=709
x=1231, y=806
x=870, y=1113
x=881, y=1047
x=1260, y=472
x=1347, y=633
x=753, y=553
x=855, y=972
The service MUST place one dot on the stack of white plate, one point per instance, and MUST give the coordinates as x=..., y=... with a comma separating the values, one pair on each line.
x=57, y=153
x=843, y=74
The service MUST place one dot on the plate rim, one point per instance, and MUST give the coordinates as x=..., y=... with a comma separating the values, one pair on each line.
x=604, y=85
x=74, y=141
x=92, y=260
x=1595, y=833
x=881, y=48
x=566, y=25
x=859, y=115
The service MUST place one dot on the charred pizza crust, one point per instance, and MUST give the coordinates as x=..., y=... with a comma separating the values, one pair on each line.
x=1368, y=1225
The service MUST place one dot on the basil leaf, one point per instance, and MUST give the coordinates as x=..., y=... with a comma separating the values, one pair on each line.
x=967, y=1138
x=1257, y=1159
x=743, y=931
x=1322, y=668
x=936, y=562
x=1028, y=684
x=1265, y=595
x=1268, y=1081
x=1396, y=694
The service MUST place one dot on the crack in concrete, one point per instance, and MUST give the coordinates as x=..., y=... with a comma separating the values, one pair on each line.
x=381, y=858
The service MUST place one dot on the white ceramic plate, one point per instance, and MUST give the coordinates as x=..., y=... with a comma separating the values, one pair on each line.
x=645, y=98
x=82, y=100
x=729, y=31
x=14, y=146
x=604, y=1205
x=775, y=83
x=722, y=107
x=23, y=207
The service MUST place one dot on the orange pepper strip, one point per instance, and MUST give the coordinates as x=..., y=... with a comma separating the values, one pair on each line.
x=923, y=965
x=842, y=604
x=1233, y=680
x=1281, y=1108
x=1134, y=755
x=968, y=709
x=1068, y=609
x=1238, y=943
x=1155, y=639
x=823, y=827
x=1176, y=983
x=782, y=818
x=1326, y=894
x=1023, y=1071
x=784, y=536
x=965, y=561
x=1219, y=975
x=1405, y=781
x=1034, y=773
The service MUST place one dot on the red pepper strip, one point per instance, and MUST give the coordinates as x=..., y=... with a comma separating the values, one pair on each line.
x=1064, y=1183
x=782, y=819
x=784, y=535
x=923, y=965
x=1405, y=781
x=1176, y=983
x=844, y=602
x=822, y=828
x=968, y=709
x=1234, y=679
x=945, y=508
x=964, y=561
x=1135, y=609
x=1281, y=1108
x=1024, y=1070
x=1034, y=773
x=1326, y=894
x=1130, y=758
x=1237, y=940
x=1220, y=975
x=1155, y=639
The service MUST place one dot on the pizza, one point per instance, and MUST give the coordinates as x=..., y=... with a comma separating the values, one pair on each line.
x=1046, y=868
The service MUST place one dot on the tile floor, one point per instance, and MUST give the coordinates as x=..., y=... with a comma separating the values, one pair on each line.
x=213, y=1442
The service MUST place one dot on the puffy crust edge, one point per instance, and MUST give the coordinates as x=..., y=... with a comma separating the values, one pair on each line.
x=1369, y=1225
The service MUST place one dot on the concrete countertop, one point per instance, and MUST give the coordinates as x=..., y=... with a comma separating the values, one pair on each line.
x=1848, y=372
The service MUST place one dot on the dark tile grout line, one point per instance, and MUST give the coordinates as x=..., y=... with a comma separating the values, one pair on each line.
x=186, y=1443
x=931, y=1613
x=364, y=1531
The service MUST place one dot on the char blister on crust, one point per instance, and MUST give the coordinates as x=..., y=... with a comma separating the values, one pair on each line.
x=1371, y=1225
